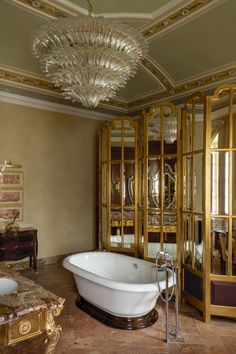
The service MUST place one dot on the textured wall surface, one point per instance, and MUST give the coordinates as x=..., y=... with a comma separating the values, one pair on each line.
x=59, y=156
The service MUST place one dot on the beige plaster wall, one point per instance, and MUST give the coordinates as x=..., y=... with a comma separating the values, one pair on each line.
x=59, y=156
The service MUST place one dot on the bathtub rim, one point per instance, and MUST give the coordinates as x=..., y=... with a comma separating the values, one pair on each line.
x=107, y=282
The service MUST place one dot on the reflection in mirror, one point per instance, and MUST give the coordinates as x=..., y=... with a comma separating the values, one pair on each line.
x=187, y=183
x=153, y=217
x=234, y=118
x=170, y=244
x=163, y=118
x=187, y=142
x=220, y=124
x=197, y=181
x=234, y=184
x=116, y=181
x=188, y=243
x=154, y=244
x=198, y=243
x=219, y=244
x=198, y=126
x=154, y=183
x=170, y=183
x=219, y=182
x=234, y=246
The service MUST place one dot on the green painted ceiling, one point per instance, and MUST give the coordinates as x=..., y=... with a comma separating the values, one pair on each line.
x=198, y=45
x=132, y=6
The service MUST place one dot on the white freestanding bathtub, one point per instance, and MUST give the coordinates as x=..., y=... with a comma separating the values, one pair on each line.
x=117, y=286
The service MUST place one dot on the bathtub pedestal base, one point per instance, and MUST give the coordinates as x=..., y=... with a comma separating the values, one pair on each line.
x=117, y=321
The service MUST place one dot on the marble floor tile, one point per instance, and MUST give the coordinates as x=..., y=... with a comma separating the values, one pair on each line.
x=82, y=334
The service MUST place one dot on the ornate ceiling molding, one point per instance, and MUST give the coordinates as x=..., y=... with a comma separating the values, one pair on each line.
x=44, y=8
x=185, y=88
x=174, y=18
x=157, y=72
x=26, y=80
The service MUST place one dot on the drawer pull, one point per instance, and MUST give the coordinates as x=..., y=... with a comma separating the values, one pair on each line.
x=24, y=327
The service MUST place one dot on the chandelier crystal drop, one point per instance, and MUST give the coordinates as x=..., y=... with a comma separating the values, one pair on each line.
x=90, y=58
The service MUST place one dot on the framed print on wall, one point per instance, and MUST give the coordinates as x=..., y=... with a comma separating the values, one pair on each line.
x=12, y=179
x=9, y=213
x=11, y=197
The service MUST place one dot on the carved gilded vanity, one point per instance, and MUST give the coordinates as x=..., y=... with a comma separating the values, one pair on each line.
x=28, y=312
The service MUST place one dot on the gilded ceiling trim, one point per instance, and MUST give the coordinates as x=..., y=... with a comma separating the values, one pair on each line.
x=155, y=71
x=196, y=84
x=178, y=15
x=44, y=8
x=23, y=79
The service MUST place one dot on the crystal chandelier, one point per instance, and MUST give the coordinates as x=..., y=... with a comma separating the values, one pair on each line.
x=90, y=58
x=169, y=125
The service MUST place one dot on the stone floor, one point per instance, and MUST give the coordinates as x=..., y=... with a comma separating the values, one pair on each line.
x=83, y=334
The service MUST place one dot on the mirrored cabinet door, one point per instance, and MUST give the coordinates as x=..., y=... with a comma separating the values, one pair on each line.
x=118, y=182
x=160, y=180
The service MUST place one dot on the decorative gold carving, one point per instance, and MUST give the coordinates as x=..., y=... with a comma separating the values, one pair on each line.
x=157, y=73
x=53, y=330
x=175, y=17
x=25, y=79
x=24, y=327
x=38, y=83
x=43, y=7
x=184, y=88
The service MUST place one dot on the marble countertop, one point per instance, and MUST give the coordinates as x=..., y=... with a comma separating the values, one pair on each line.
x=29, y=297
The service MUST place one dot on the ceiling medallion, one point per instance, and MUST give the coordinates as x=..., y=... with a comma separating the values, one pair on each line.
x=89, y=58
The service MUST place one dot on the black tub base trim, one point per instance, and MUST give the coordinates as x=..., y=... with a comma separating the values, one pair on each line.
x=117, y=321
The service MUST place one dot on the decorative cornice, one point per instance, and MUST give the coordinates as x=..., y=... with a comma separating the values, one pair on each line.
x=44, y=8
x=175, y=17
x=38, y=84
x=183, y=89
x=23, y=79
x=53, y=107
x=26, y=80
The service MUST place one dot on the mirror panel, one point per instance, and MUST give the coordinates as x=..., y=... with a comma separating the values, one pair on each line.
x=234, y=183
x=220, y=123
x=234, y=119
x=234, y=246
x=154, y=188
x=154, y=244
x=198, y=243
x=219, y=182
x=219, y=244
x=187, y=128
x=197, y=182
x=170, y=244
x=188, y=239
x=187, y=182
x=198, y=125
x=169, y=199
